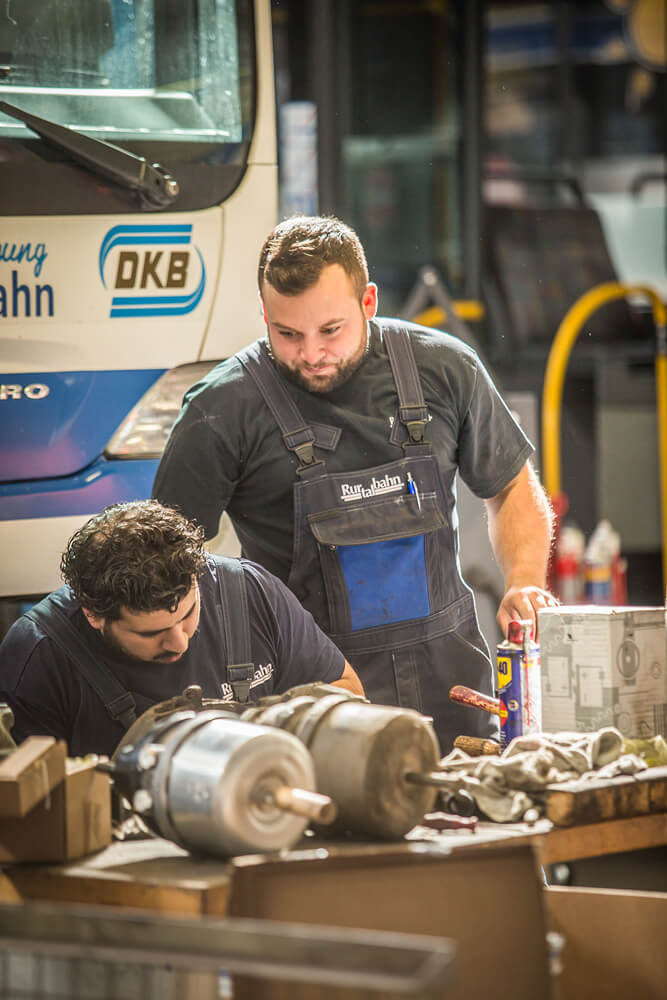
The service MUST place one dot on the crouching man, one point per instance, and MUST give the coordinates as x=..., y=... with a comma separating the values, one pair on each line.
x=146, y=612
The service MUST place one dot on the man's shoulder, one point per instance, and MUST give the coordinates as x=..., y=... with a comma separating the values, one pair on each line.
x=269, y=599
x=27, y=635
x=259, y=578
x=229, y=376
x=429, y=344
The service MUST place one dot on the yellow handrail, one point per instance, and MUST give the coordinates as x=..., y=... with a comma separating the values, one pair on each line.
x=466, y=309
x=552, y=393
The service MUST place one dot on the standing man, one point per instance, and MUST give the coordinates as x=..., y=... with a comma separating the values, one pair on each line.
x=334, y=444
x=146, y=613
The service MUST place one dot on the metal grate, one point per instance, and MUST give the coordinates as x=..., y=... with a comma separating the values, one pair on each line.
x=45, y=977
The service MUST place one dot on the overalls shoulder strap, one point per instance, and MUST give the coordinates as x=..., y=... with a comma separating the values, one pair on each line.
x=52, y=620
x=236, y=625
x=298, y=435
x=412, y=409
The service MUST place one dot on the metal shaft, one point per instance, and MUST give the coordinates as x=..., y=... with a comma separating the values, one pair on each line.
x=316, y=807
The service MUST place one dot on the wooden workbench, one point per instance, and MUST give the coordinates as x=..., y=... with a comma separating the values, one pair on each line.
x=156, y=874
x=553, y=844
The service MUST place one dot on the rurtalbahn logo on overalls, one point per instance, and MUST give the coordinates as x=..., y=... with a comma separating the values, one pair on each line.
x=154, y=270
x=375, y=488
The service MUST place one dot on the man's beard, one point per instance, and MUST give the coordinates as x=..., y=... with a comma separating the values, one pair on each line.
x=118, y=648
x=319, y=386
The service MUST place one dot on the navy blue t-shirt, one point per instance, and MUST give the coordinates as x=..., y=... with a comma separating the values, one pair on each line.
x=49, y=696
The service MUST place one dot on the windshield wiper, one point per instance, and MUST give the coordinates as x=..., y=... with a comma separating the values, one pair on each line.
x=155, y=186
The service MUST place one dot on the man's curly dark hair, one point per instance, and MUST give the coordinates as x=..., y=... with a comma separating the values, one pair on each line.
x=141, y=556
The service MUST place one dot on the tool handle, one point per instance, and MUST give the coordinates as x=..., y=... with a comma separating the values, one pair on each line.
x=319, y=808
x=475, y=699
x=476, y=746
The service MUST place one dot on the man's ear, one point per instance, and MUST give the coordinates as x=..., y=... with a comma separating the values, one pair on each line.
x=96, y=621
x=369, y=300
x=262, y=307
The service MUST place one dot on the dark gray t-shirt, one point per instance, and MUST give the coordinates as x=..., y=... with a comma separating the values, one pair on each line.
x=49, y=697
x=225, y=451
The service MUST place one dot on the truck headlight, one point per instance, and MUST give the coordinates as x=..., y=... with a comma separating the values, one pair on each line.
x=144, y=431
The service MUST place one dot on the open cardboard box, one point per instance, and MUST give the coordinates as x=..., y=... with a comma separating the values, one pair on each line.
x=28, y=774
x=73, y=819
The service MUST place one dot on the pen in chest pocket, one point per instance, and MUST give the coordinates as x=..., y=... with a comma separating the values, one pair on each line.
x=413, y=490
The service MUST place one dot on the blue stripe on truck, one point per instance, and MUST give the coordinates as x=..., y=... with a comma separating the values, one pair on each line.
x=55, y=424
x=87, y=492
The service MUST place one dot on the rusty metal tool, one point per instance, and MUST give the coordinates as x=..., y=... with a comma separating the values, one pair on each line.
x=476, y=699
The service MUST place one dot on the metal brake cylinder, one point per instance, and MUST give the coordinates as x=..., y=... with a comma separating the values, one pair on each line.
x=365, y=758
x=216, y=784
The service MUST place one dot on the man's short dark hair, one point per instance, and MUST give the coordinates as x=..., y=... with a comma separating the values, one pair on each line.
x=297, y=250
x=141, y=556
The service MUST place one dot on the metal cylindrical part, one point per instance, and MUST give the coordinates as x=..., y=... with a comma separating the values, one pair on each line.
x=213, y=786
x=361, y=754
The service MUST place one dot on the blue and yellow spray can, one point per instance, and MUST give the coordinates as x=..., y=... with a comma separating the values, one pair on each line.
x=519, y=682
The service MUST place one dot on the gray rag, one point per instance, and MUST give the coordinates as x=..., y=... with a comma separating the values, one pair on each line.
x=510, y=788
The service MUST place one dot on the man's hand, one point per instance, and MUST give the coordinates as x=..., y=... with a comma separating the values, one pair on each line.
x=520, y=525
x=523, y=603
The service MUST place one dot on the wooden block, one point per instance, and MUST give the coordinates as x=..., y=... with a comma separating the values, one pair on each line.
x=73, y=820
x=593, y=800
x=29, y=773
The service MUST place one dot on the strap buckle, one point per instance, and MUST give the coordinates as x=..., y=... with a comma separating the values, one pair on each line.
x=239, y=676
x=123, y=708
x=416, y=430
x=307, y=459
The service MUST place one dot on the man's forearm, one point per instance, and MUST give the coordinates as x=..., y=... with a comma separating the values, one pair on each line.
x=349, y=681
x=520, y=529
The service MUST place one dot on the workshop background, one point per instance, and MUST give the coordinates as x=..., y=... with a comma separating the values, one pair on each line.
x=508, y=157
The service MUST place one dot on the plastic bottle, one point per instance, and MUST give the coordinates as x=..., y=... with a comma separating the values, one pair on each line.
x=568, y=565
x=603, y=547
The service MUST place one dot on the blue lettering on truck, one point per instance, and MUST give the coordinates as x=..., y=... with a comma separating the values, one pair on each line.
x=144, y=270
x=18, y=299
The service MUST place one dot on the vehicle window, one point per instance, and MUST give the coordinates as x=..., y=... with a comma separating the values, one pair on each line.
x=126, y=69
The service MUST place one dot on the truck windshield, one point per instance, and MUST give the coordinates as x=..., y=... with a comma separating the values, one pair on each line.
x=172, y=80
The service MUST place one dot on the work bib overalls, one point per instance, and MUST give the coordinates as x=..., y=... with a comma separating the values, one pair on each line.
x=374, y=557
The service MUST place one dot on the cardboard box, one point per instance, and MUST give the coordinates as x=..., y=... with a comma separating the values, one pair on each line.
x=604, y=666
x=74, y=819
x=28, y=774
x=489, y=902
x=614, y=943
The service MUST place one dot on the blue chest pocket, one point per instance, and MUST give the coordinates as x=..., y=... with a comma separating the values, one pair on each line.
x=374, y=560
x=386, y=581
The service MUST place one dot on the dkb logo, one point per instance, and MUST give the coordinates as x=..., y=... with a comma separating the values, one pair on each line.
x=153, y=270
